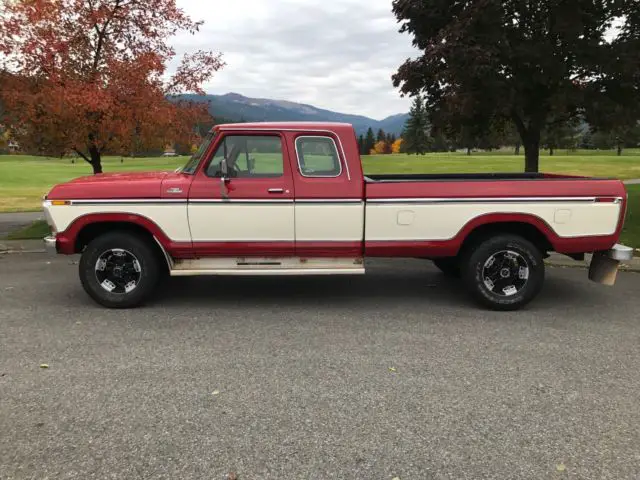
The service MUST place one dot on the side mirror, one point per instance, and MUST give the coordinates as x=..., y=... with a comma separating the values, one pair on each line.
x=224, y=169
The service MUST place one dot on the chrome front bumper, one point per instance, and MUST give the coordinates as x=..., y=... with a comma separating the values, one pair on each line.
x=50, y=244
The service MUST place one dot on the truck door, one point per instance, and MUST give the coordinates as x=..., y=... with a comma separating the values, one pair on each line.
x=329, y=208
x=252, y=213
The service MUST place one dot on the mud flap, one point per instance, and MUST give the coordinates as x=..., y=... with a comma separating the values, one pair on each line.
x=603, y=270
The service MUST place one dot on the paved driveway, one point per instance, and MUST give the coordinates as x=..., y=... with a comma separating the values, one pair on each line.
x=390, y=375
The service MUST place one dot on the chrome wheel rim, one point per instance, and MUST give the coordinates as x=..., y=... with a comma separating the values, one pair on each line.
x=505, y=273
x=118, y=271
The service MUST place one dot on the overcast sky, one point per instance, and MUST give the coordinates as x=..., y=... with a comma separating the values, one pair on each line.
x=334, y=54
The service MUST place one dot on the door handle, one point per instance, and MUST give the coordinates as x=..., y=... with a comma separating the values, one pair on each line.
x=276, y=190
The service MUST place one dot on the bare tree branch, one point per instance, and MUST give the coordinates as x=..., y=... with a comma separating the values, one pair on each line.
x=82, y=155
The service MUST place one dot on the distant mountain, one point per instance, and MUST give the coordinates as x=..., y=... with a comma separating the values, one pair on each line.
x=237, y=107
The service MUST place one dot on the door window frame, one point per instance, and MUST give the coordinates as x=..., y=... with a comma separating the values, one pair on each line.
x=239, y=133
x=335, y=147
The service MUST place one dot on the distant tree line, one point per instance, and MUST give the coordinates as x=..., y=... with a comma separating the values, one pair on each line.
x=381, y=144
x=428, y=133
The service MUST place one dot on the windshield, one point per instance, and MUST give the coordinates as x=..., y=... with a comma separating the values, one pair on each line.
x=193, y=162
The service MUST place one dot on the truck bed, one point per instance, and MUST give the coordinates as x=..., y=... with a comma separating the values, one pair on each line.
x=425, y=177
x=488, y=185
x=430, y=212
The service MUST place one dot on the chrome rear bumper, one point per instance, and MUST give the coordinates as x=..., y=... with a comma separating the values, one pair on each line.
x=604, y=265
x=621, y=253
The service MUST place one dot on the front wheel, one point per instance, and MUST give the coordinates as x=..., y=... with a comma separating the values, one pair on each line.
x=119, y=270
x=504, y=272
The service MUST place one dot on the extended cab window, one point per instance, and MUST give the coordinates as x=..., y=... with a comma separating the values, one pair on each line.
x=318, y=157
x=249, y=156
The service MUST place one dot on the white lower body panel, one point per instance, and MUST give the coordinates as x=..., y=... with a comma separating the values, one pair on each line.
x=233, y=222
x=399, y=221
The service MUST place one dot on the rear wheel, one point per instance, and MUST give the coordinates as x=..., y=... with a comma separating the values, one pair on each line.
x=450, y=266
x=504, y=272
x=119, y=270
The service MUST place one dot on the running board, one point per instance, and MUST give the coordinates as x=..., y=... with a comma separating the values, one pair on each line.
x=268, y=266
x=275, y=271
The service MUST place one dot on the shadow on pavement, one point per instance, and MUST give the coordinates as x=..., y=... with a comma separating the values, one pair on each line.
x=384, y=289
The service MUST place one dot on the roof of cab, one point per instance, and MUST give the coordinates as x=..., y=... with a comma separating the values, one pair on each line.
x=295, y=126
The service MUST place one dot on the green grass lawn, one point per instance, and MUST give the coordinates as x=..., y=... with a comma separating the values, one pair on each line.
x=24, y=179
x=631, y=233
x=582, y=162
x=36, y=231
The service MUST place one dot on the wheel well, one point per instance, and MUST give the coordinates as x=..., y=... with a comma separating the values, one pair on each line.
x=522, y=229
x=94, y=230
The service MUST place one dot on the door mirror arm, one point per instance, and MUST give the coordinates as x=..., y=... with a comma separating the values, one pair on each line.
x=224, y=178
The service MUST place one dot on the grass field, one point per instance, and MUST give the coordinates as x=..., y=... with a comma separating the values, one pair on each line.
x=24, y=179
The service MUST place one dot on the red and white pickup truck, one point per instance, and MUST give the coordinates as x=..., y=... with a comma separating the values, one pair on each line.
x=292, y=199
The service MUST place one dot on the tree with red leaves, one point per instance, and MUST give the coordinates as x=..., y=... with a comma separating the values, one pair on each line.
x=90, y=75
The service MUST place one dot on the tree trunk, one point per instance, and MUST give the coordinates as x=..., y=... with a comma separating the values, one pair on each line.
x=619, y=149
x=532, y=156
x=551, y=151
x=96, y=159
x=469, y=151
x=530, y=137
x=517, y=149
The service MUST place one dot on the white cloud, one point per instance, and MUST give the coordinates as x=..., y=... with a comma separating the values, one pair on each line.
x=335, y=54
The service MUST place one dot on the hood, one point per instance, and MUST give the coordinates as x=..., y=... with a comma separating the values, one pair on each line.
x=111, y=186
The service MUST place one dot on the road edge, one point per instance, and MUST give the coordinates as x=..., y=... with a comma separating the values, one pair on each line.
x=21, y=246
x=554, y=260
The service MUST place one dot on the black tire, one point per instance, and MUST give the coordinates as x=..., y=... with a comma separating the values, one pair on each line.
x=514, y=253
x=144, y=270
x=450, y=266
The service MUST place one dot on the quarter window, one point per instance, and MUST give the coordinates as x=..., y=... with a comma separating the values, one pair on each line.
x=318, y=157
x=249, y=156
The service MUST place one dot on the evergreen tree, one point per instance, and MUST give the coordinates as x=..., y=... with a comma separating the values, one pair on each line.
x=369, y=141
x=382, y=137
x=416, y=131
x=361, y=145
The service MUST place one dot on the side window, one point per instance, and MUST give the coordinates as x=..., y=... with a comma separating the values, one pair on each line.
x=318, y=157
x=249, y=156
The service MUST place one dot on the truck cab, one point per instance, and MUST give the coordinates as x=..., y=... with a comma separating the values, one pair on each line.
x=292, y=199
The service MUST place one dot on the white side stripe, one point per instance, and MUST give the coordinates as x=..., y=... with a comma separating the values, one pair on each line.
x=174, y=201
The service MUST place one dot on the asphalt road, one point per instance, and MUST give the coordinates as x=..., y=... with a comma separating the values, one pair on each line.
x=390, y=375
